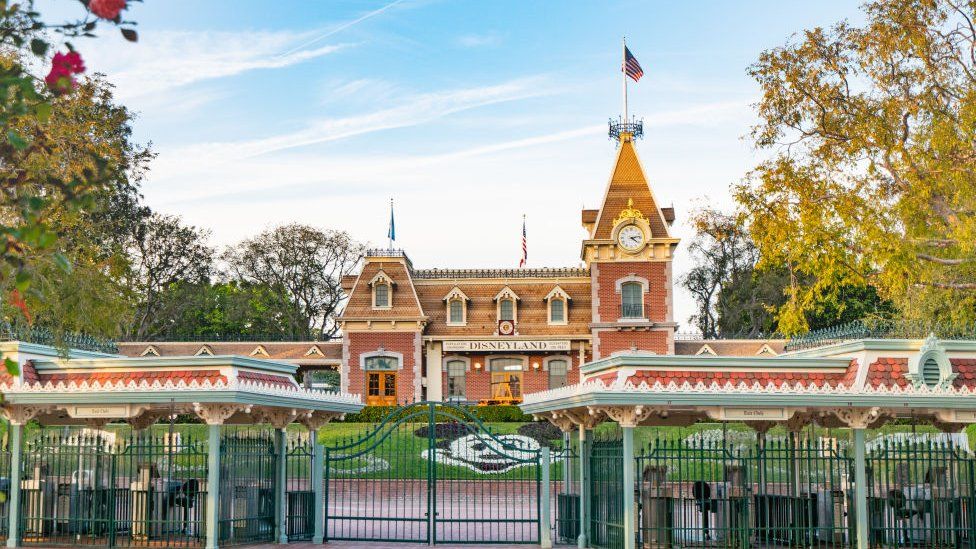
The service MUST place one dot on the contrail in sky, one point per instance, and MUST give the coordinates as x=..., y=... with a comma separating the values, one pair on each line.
x=342, y=27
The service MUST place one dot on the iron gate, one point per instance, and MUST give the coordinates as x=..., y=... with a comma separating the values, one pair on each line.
x=433, y=473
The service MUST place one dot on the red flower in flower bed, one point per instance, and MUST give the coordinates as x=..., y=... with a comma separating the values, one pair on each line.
x=106, y=9
x=63, y=68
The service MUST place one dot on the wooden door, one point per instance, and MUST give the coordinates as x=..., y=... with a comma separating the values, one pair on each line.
x=381, y=388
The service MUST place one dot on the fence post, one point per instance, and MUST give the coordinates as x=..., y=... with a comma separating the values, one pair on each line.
x=13, y=509
x=281, y=478
x=630, y=531
x=213, y=483
x=545, y=536
x=318, y=479
x=860, y=490
x=585, y=447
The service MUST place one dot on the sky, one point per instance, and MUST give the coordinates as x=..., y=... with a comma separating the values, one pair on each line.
x=468, y=114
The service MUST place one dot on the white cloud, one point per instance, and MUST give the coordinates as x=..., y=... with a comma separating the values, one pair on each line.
x=416, y=110
x=479, y=40
x=164, y=60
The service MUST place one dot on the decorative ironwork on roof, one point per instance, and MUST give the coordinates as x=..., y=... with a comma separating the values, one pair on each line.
x=566, y=272
x=385, y=252
x=45, y=336
x=880, y=329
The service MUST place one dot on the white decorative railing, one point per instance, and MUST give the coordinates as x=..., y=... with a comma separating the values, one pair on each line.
x=248, y=386
x=798, y=388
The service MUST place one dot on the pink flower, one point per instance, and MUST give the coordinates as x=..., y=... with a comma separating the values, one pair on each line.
x=106, y=9
x=63, y=68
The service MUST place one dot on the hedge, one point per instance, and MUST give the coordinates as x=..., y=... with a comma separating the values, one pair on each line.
x=491, y=414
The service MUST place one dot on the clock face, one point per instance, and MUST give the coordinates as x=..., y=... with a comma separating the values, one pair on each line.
x=630, y=237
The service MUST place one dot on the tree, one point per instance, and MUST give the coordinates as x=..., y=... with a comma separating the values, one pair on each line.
x=163, y=253
x=871, y=178
x=307, y=263
x=722, y=252
x=85, y=128
x=738, y=298
x=223, y=311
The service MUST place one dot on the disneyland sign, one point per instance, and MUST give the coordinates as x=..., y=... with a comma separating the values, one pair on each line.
x=494, y=345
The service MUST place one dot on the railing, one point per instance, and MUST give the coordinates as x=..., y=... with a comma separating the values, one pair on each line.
x=633, y=126
x=45, y=336
x=881, y=329
x=385, y=252
x=567, y=272
x=632, y=310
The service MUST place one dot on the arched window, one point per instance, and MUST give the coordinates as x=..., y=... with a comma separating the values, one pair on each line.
x=381, y=295
x=506, y=309
x=456, y=312
x=557, y=311
x=632, y=300
x=455, y=380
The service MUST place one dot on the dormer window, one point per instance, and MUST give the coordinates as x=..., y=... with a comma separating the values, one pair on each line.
x=381, y=295
x=507, y=305
x=558, y=301
x=382, y=290
x=457, y=307
x=506, y=309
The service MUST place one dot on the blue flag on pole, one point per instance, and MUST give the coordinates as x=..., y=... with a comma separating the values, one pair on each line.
x=391, y=234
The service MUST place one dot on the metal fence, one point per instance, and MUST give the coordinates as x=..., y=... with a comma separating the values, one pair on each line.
x=921, y=494
x=565, y=490
x=84, y=487
x=783, y=492
x=247, y=475
x=299, y=493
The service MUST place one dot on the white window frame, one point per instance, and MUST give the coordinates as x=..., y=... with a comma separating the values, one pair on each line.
x=563, y=358
x=380, y=353
x=506, y=293
x=645, y=288
x=557, y=294
x=456, y=295
x=382, y=278
x=447, y=376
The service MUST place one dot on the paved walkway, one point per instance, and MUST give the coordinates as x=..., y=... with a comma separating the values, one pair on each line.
x=383, y=545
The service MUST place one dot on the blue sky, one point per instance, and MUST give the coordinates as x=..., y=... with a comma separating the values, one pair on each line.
x=467, y=113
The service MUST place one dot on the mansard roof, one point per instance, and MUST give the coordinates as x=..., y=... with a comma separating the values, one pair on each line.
x=628, y=182
x=403, y=300
x=482, y=317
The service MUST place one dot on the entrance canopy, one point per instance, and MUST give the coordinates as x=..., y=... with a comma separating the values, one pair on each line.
x=88, y=388
x=858, y=384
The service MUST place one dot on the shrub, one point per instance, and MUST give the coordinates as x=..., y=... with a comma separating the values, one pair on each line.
x=491, y=414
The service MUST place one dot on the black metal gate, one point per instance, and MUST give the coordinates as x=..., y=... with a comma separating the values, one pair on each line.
x=433, y=473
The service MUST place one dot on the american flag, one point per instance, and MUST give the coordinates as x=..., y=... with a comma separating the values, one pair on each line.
x=525, y=246
x=631, y=66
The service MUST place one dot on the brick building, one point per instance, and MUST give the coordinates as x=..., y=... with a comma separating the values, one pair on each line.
x=493, y=335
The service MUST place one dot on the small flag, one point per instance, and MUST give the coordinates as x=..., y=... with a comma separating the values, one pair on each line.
x=525, y=246
x=631, y=67
x=391, y=233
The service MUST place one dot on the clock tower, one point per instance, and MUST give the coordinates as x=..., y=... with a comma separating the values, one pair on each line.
x=629, y=250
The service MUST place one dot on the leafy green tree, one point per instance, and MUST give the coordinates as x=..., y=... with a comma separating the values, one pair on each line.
x=871, y=175
x=307, y=264
x=738, y=298
x=86, y=128
x=223, y=311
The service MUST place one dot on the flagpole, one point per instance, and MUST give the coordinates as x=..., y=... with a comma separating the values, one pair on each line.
x=623, y=74
x=389, y=231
